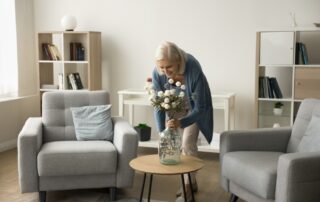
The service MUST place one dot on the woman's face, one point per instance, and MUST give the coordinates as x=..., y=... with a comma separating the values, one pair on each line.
x=167, y=67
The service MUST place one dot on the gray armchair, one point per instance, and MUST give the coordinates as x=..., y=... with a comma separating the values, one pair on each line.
x=50, y=157
x=264, y=165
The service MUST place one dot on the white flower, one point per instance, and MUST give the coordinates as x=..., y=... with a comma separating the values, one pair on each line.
x=178, y=83
x=167, y=106
x=160, y=93
x=152, y=92
x=171, y=81
x=166, y=100
x=167, y=92
x=174, y=104
x=181, y=94
x=163, y=104
x=173, y=91
x=151, y=98
x=183, y=87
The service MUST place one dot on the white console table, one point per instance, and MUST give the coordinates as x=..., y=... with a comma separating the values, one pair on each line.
x=136, y=97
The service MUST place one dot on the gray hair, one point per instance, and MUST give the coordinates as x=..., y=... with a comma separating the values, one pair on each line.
x=170, y=51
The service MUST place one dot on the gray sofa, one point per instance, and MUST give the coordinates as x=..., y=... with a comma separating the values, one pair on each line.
x=50, y=157
x=264, y=165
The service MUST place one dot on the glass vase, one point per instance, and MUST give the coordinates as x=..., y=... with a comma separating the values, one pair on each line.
x=170, y=146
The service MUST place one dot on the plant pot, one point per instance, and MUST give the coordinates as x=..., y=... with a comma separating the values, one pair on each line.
x=277, y=111
x=143, y=133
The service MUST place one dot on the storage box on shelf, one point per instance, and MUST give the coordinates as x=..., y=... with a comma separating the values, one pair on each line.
x=61, y=54
x=289, y=59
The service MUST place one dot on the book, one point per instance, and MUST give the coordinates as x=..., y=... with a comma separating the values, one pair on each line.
x=72, y=81
x=46, y=52
x=270, y=89
x=56, y=52
x=298, y=54
x=304, y=53
x=60, y=81
x=275, y=87
x=77, y=51
x=78, y=80
x=261, y=92
x=266, y=86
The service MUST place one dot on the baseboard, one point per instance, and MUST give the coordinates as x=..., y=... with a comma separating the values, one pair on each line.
x=7, y=145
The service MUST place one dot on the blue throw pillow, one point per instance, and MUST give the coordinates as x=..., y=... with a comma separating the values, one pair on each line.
x=93, y=122
x=310, y=142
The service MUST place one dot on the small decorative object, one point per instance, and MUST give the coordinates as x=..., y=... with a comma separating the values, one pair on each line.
x=170, y=101
x=277, y=110
x=144, y=131
x=68, y=22
x=276, y=125
x=293, y=18
x=316, y=24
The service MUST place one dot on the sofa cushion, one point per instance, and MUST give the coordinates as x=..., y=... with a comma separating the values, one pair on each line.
x=93, y=122
x=56, y=113
x=307, y=109
x=310, y=142
x=253, y=170
x=77, y=158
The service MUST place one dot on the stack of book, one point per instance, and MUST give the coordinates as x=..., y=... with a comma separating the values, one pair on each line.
x=269, y=87
x=301, y=54
x=77, y=52
x=50, y=51
x=74, y=81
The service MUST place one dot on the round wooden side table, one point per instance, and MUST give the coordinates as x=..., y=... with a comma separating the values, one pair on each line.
x=150, y=164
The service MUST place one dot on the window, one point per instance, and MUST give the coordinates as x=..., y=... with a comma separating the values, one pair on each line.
x=8, y=50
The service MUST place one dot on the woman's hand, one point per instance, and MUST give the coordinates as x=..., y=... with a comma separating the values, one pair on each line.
x=173, y=123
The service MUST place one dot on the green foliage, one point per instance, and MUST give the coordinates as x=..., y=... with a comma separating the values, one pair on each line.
x=142, y=125
x=278, y=105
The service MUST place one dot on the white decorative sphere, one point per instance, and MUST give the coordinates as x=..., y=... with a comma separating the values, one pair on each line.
x=68, y=22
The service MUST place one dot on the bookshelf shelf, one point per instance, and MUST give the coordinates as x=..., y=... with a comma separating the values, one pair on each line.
x=52, y=90
x=279, y=55
x=63, y=53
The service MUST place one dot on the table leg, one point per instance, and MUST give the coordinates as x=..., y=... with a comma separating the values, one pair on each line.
x=184, y=188
x=143, y=183
x=120, y=105
x=190, y=183
x=227, y=115
x=150, y=185
x=131, y=114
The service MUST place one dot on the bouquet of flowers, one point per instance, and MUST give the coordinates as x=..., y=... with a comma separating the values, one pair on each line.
x=170, y=100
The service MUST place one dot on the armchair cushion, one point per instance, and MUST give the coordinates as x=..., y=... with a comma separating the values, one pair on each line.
x=255, y=171
x=93, y=122
x=311, y=140
x=65, y=158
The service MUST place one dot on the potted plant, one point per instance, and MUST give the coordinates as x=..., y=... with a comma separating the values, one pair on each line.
x=144, y=131
x=277, y=110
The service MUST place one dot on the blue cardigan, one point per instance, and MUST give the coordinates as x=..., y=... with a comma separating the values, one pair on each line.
x=199, y=96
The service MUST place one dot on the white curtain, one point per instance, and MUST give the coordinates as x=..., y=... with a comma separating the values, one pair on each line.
x=8, y=50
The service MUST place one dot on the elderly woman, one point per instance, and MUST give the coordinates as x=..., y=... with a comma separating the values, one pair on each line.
x=173, y=63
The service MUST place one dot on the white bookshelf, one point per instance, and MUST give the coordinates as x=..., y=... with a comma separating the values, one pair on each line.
x=276, y=57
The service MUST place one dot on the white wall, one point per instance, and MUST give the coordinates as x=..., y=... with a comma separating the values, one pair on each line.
x=221, y=34
x=13, y=115
x=26, y=48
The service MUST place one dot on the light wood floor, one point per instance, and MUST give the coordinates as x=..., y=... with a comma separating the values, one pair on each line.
x=163, y=189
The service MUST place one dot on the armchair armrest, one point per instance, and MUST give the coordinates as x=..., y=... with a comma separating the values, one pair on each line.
x=298, y=177
x=266, y=139
x=29, y=144
x=126, y=142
